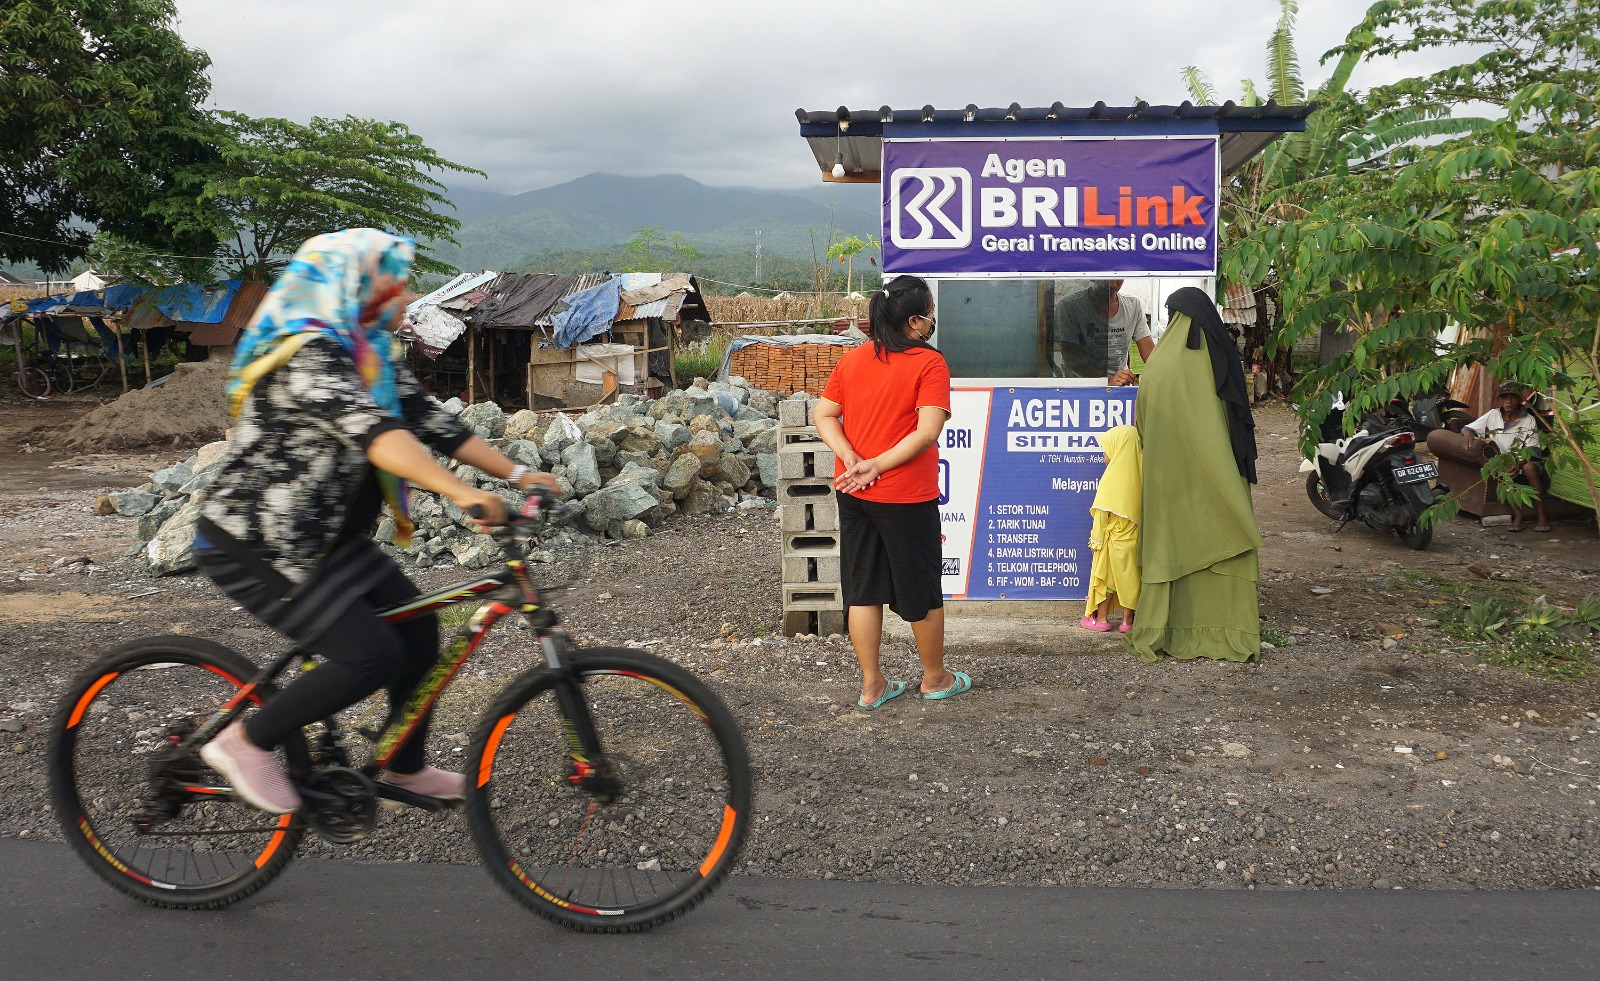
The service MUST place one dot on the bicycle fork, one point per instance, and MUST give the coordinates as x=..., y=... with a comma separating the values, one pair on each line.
x=592, y=771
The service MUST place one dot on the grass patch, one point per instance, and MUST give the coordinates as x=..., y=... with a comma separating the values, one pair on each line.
x=1446, y=587
x=700, y=362
x=1538, y=639
x=1272, y=635
x=453, y=618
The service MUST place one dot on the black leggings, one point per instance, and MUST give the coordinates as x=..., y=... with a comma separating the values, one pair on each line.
x=360, y=653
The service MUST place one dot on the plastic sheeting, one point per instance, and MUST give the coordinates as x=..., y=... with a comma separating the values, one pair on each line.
x=588, y=313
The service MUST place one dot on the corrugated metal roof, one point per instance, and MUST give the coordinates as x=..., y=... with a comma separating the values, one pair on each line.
x=665, y=308
x=1244, y=130
x=461, y=284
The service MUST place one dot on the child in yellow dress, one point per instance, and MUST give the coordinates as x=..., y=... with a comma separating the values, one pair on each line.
x=1114, y=536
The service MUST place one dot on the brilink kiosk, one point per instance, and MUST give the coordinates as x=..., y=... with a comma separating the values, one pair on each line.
x=1018, y=218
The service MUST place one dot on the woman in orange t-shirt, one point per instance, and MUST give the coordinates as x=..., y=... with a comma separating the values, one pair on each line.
x=881, y=414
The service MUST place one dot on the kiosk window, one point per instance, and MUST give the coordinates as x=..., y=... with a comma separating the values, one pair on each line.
x=1021, y=328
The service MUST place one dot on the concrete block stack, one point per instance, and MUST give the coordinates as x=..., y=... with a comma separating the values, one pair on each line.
x=813, y=598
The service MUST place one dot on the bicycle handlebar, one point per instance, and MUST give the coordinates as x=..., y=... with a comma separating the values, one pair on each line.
x=539, y=501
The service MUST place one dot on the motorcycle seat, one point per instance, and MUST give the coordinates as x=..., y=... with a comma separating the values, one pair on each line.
x=1361, y=441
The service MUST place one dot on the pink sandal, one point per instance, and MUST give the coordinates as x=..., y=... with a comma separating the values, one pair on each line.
x=1123, y=628
x=1098, y=626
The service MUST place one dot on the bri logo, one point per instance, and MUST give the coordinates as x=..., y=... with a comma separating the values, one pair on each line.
x=931, y=208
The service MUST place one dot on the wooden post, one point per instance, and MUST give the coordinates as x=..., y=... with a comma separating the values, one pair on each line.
x=472, y=363
x=122, y=357
x=493, y=380
x=671, y=330
x=144, y=343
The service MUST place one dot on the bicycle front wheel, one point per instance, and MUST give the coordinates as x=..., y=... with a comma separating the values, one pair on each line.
x=654, y=851
x=155, y=823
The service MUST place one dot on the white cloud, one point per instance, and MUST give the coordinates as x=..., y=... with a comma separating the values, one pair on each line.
x=537, y=94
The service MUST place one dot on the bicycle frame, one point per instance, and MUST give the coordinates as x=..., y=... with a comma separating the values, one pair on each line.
x=509, y=591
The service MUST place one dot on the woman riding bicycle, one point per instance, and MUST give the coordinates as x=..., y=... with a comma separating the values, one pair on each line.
x=330, y=426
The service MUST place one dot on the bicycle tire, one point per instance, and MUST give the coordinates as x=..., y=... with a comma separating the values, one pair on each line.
x=109, y=723
x=34, y=382
x=62, y=380
x=520, y=799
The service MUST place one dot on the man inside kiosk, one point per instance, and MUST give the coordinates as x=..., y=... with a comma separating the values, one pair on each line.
x=1096, y=328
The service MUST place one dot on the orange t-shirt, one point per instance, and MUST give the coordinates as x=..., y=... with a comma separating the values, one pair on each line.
x=879, y=401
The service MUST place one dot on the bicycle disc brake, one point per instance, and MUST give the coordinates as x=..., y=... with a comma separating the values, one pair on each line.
x=341, y=804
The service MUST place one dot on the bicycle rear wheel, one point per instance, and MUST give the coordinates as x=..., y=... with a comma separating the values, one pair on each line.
x=34, y=382
x=146, y=818
x=654, y=852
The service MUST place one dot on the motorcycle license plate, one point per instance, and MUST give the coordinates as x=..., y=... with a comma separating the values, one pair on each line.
x=1416, y=473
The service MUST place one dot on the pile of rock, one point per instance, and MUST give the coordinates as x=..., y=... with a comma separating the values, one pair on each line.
x=623, y=468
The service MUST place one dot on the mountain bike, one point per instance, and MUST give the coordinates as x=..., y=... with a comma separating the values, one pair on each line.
x=609, y=790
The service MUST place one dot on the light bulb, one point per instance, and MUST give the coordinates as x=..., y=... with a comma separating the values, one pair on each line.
x=838, y=171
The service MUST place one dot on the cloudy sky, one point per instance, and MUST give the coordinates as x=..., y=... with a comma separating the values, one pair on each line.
x=539, y=93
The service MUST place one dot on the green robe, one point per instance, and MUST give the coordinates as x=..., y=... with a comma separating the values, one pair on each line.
x=1199, y=536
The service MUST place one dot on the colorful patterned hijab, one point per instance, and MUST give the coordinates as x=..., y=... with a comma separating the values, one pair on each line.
x=337, y=284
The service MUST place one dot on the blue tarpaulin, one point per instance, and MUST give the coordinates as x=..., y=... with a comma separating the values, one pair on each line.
x=588, y=314
x=194, y=303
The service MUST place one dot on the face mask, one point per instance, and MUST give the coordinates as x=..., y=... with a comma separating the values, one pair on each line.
x=933, y=325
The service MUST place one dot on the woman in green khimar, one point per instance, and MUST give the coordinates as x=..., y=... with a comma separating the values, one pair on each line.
x=1199, y=549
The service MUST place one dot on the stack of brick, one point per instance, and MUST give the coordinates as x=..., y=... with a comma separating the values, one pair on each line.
x=786, y=368
x=813, y=598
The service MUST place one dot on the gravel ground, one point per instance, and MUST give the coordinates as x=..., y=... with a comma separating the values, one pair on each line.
x=1367, y=751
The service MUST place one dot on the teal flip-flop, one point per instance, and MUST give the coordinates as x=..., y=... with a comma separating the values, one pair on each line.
x=893, y=689
x=962, y=683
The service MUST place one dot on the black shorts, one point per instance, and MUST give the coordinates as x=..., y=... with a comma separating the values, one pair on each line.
x=890, y=554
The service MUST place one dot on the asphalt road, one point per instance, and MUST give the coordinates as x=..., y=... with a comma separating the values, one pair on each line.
x=353, y=920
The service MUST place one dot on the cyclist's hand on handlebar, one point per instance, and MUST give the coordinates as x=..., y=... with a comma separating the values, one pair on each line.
x=534, y=481
x=487, y=510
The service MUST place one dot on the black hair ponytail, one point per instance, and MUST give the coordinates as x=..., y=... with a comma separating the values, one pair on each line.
x=899, y=300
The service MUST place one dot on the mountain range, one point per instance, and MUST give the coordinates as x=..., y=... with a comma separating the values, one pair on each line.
x=583, y=222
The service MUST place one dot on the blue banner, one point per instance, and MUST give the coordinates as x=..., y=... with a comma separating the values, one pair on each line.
x=1018, y=470
x=1109, y=208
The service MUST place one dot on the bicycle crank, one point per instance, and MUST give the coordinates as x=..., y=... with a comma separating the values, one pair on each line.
x=341, y=804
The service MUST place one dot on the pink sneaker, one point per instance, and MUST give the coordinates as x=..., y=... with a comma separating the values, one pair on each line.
x=429, y=782
x=1098, y=626
x=251, y=771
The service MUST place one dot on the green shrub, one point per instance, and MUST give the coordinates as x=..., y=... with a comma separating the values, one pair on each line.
x=700, y=362
x=1542, y=640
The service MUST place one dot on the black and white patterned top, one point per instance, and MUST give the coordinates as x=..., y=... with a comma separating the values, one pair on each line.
x=296, y=462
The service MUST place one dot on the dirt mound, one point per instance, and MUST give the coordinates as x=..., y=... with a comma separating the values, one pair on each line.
x=189, y=409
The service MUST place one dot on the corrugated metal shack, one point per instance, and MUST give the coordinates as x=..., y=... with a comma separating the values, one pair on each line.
x=541, y=340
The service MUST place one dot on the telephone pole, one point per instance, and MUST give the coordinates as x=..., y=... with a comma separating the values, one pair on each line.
x=758, y=257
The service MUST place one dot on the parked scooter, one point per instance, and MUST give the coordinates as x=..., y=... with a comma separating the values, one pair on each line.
x=1420, y=416
x=1376, y=478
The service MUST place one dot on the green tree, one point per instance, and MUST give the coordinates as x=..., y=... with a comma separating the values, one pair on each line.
x=845, y=250
x=649, y=251
x=121, y=261
x=100, y=102
x=1285, y=179
x=1495, y=232
x=276, y=183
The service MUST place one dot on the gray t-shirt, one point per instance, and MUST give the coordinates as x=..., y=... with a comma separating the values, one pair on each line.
x=1128, y=327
